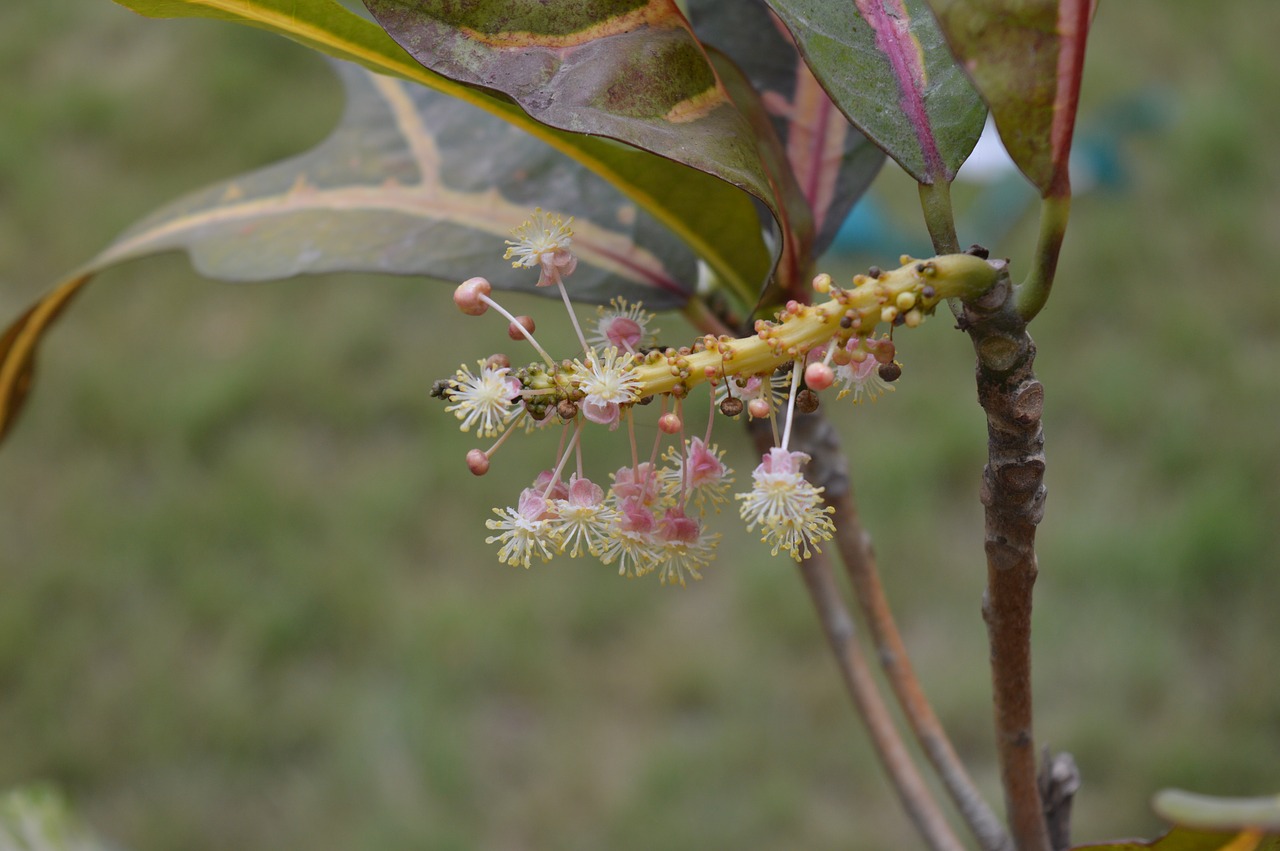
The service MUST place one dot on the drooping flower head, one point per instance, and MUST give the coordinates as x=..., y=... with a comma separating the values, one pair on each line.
x=699, y=472
x=544, y=241
x=786, y=505
x=686, y=547
x=583, y=518
x=526, y=531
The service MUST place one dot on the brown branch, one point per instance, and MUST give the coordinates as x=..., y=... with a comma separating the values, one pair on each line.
x=854, y=544
x=1013, y=498
x=916, y=797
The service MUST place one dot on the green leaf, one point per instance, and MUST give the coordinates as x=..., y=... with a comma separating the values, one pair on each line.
x=888, y=69
x=716, y=220
x=37, y=819
x=411, y=182
x=1026, y=57
x=1207, y=823
x=630, y=70
x=1207, y=812
x=791, y=278
x=833, y=163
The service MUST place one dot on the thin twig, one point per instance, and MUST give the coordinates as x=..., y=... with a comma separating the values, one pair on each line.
x=854, y=545
x=918, y=800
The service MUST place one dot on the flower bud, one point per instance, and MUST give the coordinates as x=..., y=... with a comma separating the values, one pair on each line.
x=670, y=423
x=477, y=462
x=819, y=376
x=468, y=296
x=526, y=322
x=758, y=408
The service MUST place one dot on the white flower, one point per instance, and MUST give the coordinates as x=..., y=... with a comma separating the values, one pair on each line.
x=608, y=381
x=526, y=530
x=787, y=506
x=544, y=241
x=583, y=517
x=484, y=399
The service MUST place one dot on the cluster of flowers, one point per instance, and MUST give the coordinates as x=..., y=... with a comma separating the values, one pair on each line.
x=650, y=518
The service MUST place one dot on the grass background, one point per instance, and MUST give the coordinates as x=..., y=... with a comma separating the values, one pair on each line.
x=246, y=599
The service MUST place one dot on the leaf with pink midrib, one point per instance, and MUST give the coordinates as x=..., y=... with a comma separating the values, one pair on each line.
x=887, y=67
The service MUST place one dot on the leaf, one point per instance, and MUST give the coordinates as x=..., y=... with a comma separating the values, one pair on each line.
x=888, y=69
x=793, y=270
x=411, y=182
x=716, y=220
x=631, y=70
x=1208, y=812
x=1207, y=823
x=1183, y=839
x=833, y=163
x=37, y=819
x=1026, y=57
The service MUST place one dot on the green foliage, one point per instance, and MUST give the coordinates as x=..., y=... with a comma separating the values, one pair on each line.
x=893, y=76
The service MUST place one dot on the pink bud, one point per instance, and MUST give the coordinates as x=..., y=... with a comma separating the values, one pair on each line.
x=477, y=462
x=819, y=376
x=669, y=423
x=526, y=322
x=469, y=296
x=758, y=408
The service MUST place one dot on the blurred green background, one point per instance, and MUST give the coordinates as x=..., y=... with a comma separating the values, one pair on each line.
x=246, y=599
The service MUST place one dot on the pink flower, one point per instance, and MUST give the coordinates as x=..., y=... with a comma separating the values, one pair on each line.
x=558, y=491
x=584, y=493
x=676, y=527
x=636, y=517
x=533, y=506
x=781, y=462
x=636, y=483
x=602, y=413
x=703, y=465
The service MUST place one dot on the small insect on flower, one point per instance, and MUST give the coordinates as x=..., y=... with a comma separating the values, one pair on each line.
x=543, y=241
x=484, y=399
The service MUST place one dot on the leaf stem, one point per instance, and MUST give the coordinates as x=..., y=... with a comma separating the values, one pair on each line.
x=854, y=545
x=935, y=203
x=1031, y=295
